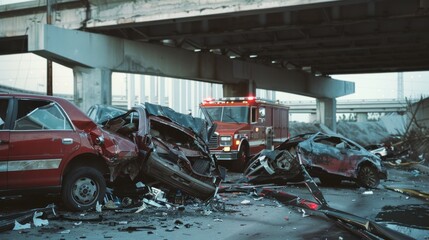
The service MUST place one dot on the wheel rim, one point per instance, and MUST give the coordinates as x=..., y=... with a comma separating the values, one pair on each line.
x=368, y=177
x=85, y=191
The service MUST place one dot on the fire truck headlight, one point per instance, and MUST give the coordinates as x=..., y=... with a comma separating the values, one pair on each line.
x=225, y=141
x=237, y=142
x=227, y=149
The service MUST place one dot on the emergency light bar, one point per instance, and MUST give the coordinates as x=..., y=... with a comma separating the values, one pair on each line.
x=234, y=99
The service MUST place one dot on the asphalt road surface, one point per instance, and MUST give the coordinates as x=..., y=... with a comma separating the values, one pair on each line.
x=242, y=215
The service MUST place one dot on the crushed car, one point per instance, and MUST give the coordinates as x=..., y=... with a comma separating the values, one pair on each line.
x=173, y=146
x=48, y=145
x=330, y=158
x=378, y=149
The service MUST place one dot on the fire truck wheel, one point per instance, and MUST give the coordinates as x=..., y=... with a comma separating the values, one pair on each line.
x=241, y=162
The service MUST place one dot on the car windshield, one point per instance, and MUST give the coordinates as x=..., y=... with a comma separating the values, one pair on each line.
x=229, y=114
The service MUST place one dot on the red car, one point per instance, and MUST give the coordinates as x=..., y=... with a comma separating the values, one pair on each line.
x=48, y=145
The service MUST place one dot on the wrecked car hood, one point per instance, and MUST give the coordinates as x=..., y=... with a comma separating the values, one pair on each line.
x=156, y=142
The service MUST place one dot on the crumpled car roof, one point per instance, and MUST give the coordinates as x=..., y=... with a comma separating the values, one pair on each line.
x=197, y=125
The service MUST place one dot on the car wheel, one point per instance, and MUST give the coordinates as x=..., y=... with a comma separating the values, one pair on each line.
x=330, y=180
x=82, y=188
x=368, y=177
x=243, y=155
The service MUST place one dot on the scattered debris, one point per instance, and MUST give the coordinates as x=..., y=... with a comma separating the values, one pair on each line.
x=37, y=221
x=137, y=228
x=245, y=202
x=67, y=231
x=98, y=207
x=8, y=222
x=410, y=192
x=357, y=225
x=19, y=226
x=368, y=193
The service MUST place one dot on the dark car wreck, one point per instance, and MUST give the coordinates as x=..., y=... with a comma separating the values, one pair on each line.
x=171, y=148
x=331, y=158
x=48, y=145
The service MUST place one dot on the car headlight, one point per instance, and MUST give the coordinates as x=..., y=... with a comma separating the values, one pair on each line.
x=225, y=141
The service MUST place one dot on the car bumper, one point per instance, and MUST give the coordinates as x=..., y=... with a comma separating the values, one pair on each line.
x=203, y=187
x=225, y=156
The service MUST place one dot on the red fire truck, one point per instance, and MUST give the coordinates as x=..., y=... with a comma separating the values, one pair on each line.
x=245, y=126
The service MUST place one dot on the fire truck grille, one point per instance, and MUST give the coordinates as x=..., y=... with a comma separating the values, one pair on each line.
x=213, y=142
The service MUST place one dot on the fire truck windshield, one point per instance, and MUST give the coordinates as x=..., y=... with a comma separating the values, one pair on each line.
x=229, y=114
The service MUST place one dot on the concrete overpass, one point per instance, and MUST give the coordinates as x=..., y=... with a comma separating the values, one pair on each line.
x=289, y=46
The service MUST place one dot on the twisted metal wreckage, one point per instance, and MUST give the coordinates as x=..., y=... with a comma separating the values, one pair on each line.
x=195, y=178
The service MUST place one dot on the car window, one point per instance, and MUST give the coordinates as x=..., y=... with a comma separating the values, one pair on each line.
x=40, y=115
x=3, y=111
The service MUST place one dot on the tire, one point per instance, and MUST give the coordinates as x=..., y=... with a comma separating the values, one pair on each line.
x=368, y=177
x=240, y=163
x=82, y=188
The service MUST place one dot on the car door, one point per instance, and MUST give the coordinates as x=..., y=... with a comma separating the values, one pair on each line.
x=329, y=154
x=41, y=137
x=4, y=141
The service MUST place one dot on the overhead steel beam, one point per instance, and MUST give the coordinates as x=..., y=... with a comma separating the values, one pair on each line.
x=72, y=47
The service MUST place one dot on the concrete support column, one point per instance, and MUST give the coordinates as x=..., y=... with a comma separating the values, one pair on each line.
x=131, y=95
x=152, y=88
x=312, y=118
x=240, y=89
x=189, y=96
x=362, y=117
x=175, y=95
x=326, y=112
x=183, y=95
x=142, y=92
x=92, y=86
x=161, y=90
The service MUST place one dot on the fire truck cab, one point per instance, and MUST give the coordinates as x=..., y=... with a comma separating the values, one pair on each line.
x=245, y=126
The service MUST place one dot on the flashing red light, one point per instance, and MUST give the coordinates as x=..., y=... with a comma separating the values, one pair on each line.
x=209, y=99
x=251, y=98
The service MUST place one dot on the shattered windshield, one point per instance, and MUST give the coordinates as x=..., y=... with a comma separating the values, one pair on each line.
x=229, y=114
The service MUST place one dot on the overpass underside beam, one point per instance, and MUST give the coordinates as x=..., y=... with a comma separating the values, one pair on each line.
x=77, y=48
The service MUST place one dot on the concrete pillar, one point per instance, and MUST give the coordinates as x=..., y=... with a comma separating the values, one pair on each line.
x=189, y=97
x=142, y=92
x=183, y=95
x=161, y=90
x=241, y=89
x=131, y=95
x=92, y=86
x=175, y=95
x=312, y=118
x=326, y=112
x=362, y=117
x=152, y=88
